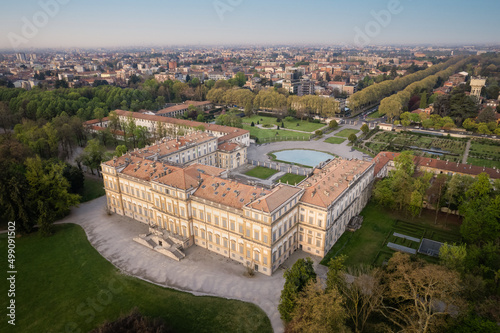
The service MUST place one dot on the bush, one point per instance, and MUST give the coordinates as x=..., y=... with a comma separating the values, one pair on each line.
x=316, y=121
x=289, y=118
x=252, y=124
x=298, y=124
x=278, y=120
x=333, y=124
x=319, y=132
x=268, y=125
x=278, y=127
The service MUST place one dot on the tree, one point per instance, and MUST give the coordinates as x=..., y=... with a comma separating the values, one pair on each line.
x=423, y=100
x=318, y=311
x=364, y=128
x=418, y=296
x=453, y=256
x=435, y=193
x=296, y=278
x=252, y=124
x=75, y=178
x=48, y=192
x=93, y=155
x=120, y=150
x=352, y=138
x=333, y=124
x=487, y=115
x=481, y=212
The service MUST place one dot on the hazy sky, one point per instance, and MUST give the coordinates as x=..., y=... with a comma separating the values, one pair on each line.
x=92, y=23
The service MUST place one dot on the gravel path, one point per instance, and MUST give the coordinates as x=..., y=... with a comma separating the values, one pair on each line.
x=200, y=273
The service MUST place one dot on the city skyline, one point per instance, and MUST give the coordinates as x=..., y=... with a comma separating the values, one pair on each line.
x=70, y=24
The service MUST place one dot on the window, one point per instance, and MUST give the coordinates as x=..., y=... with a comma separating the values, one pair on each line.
x=311, y=220
x=176, y=210
x=256, y=235
x=210, y=236
x=225, y=242
x=248, y=233
x=140, y=210
x=309, y=240
x=256, y=256
x=274, y=236
x=265, y=260
x=157, y=203
x=169, y=207
x=224, y=222
x=232, y=224
x=241, y=248
x=163, y=206
x=274, y=257
x=320, y=222
x=318, y=242
x=216, y=218
x=240, y=228
x=182, y=211
x=301, y=218
x=233, y=245
x=194, y=212
x=217, y=239
x=201, y=215
x=209, y=218
x=248, y=253
x=265, y=239
x=203, y=234
x=196, y=231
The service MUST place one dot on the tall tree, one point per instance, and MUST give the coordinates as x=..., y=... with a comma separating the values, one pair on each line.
x=48, y=192
x=418, y=296
x=296, y=278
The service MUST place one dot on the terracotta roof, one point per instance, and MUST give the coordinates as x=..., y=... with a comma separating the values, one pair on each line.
x=230, y=132
x=327, y=183
x=425, y=162
x=228, y=146
x=228, y=192
x=279, y=195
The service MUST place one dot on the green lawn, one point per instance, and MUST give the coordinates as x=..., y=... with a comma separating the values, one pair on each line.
x=375, y=114
x=483, y=162
x=346, y=132
x=368, y=245
x=270, y=134
x=261, y=172
x=304, y=125
x=92, y=189
x=291, y=178
x=63, y=284
x=484, y=152
x=335, y=140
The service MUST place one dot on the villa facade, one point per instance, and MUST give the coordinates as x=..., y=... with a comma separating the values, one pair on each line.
x=193, y=201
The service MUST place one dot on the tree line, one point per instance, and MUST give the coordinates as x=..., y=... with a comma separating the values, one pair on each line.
x=376, y=92
x=393, y=104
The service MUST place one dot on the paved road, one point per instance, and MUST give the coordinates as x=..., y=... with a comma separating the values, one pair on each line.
x=201, y=273
x=259, y=152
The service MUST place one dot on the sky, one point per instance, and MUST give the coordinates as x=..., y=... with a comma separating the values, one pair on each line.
x=113, y=23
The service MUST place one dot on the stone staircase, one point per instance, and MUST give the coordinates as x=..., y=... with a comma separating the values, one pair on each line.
x=170, y=247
